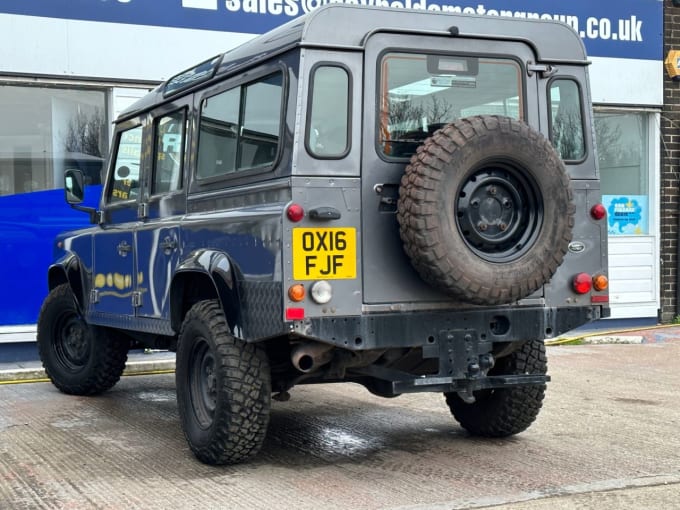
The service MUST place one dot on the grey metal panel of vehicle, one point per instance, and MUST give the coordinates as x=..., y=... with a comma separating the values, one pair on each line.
x=587, y=251
x=310, y=256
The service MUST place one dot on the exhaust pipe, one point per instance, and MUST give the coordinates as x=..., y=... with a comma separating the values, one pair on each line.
x=310, y=356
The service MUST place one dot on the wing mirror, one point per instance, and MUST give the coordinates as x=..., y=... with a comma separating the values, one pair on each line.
x=74, y=192
x=74, y=188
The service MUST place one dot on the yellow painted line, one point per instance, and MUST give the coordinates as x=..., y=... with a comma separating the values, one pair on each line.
x=152, y=372
x=564, y=340
x=42, y=380
x=21, y=381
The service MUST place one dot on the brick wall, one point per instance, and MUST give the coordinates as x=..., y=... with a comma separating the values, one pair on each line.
x=670, y=171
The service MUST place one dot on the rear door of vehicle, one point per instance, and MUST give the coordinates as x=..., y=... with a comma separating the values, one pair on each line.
x=408, y=94
x=164, y=203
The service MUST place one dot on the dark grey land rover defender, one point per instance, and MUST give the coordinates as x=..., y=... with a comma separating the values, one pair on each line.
x=411, y=203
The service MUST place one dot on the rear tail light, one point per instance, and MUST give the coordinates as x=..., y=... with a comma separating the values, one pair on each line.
x=598, y=211
x=582, y=283
x=295, y=212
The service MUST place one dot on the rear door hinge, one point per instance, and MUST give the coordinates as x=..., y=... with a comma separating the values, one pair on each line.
x=545, y=70
x=94, y=296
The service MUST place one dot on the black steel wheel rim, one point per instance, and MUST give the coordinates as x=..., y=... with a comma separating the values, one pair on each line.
x=499, y=212
x=72, y=344
x=203, y=382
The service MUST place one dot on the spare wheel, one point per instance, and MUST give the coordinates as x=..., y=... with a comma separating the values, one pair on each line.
x=486, y=210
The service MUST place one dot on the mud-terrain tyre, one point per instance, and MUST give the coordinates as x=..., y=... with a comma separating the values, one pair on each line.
x=223, y=388
x=504, y=412
x=486, y=210
x=79, y=358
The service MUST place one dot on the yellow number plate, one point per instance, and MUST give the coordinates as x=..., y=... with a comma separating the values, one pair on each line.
x=324, y=253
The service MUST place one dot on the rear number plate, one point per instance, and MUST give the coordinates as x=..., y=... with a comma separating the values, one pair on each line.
x=324, y=253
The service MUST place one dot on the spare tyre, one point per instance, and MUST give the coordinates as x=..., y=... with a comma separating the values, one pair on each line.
x=486, y=210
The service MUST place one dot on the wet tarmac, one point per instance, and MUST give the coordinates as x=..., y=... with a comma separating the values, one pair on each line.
x=608, y=434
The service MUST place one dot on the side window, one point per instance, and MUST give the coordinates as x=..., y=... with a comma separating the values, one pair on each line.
x=566, y=119
x=328, y=126
x=239, y=128
x=169, y=153
x=218, y=133
x=124, y=183
x=259, y=139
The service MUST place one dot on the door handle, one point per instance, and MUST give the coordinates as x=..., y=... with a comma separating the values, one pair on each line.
x=168, y=245
x=124, y=248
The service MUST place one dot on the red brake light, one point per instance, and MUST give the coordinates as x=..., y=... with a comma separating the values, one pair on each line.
x=582, y=283
x=598, y=212
x=295, y=212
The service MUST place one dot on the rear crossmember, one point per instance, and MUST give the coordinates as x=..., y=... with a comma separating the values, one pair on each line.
x=395, y=382
x=464, y=363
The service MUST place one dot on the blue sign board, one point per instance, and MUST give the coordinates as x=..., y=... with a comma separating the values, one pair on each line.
x=609, y=28
x=626, y=215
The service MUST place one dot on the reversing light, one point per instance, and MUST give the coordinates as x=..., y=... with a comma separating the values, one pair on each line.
x=295, y=212
x=296, y=292
x=321, y=292
x=582, y=283
x=598, y=211
x=600, y=282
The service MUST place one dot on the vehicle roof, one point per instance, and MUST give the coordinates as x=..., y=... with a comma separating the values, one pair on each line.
x=552, y=41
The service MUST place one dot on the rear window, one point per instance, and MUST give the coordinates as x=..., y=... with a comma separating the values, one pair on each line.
x=421, y=93
x=566, y=119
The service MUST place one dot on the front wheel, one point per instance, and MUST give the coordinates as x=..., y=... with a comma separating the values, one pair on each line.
x=80, y=359
x=223, y=388
x=503, y=412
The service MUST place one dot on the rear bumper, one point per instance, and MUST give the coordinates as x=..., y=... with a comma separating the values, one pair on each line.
x=425, y=328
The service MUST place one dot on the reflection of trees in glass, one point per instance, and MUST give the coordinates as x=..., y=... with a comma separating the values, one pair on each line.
x=607, y=137
x=439, y=111
x=612, y=151
x=86, y=133
x=568, y=135
x=405, y=115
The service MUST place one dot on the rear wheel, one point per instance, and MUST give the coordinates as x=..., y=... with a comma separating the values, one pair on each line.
x=79, y=358
x=504, y=412
x=223, y=388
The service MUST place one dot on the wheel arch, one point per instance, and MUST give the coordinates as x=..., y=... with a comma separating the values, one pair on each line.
x=68, y=270
x=206, y=274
